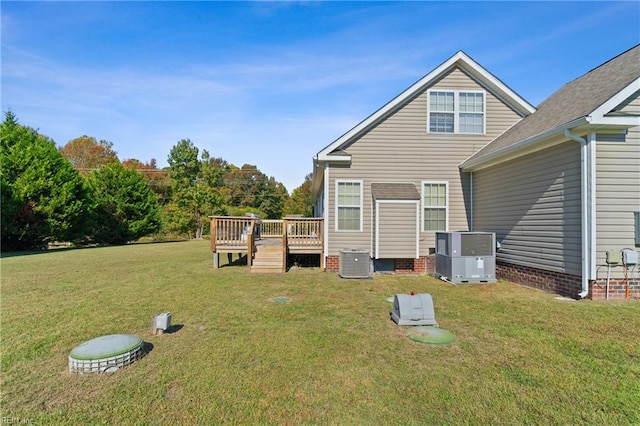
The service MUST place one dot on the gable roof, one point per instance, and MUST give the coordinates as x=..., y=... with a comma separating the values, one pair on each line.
x=585, y=100
x=460, y=60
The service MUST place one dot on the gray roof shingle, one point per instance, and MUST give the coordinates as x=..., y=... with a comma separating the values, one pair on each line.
x=394, y=191
x=576, y=99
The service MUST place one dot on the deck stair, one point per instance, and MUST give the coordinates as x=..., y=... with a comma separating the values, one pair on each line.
x=268, y=258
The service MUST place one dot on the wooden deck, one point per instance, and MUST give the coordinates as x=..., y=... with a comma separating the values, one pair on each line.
x=266, y=243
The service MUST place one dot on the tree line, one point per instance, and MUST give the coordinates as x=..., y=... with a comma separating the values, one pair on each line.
x=82, y=193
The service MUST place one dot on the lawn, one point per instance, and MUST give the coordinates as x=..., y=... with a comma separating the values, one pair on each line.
x=329, y=355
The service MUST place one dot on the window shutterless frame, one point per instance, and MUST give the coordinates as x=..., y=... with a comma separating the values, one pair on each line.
x=456, y=111
x=434, y=205
x=348, y=205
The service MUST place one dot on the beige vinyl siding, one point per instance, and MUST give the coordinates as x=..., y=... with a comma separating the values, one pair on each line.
x=631, y=105
x=397, y=226
x=399, y=149
x=617, y=195
x=533, y=206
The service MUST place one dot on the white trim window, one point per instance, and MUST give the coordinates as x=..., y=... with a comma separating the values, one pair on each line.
x=349, y=205
x=441, y=112
x=435, y=206
x=453, y=111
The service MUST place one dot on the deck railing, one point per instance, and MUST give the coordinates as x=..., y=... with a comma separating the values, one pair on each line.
x=270, y=228
x=239, y=234
x=232, y=232
x=304, y=232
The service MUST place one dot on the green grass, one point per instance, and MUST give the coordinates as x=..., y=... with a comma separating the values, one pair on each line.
x=328, y=355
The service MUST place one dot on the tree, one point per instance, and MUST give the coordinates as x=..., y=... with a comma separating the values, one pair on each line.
x=127, y=209
x=194, y=189
x=271, y=197
x=248, y=187
x=242, y=185
x=300, y=201
x=157, y=179
x=43, y=198
x=86, y=154
x=184, y=165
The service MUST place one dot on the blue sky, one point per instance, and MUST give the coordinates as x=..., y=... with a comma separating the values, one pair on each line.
x=272, y=83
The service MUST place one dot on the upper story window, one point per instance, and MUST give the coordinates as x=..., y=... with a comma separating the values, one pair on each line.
x=348, y=205
x=441, y=112
x=456, y=112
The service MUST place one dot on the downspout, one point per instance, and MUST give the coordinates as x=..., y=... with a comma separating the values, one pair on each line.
x=586, y=167
x=471, y=202
x=325, y=214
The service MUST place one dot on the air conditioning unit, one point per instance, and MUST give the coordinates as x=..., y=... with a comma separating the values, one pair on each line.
x=354, y=263
x=466, y=257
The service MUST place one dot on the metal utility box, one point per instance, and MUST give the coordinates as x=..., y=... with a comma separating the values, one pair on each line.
x=161, y=322
x=466, y=257
x=629, y=257
x=613, y=257
x=414, y=309
x=354, y=263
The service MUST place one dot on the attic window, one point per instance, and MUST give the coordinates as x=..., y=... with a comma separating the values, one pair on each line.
x=442, y=112
x=456, y=112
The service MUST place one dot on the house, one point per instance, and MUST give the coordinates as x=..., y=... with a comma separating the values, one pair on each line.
x=393, y=180
x=460, y=150
x=561, y=188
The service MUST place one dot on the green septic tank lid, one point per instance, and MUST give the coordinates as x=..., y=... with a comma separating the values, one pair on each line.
x=106, y=347
x=430, y=335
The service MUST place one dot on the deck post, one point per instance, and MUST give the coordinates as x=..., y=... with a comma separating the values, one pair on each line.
x=323, y=260
x=285, y=244
x=251, y=242
x=212, y=238
x=212, y=232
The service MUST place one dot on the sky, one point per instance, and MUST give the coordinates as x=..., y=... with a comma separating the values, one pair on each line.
x=272, y=83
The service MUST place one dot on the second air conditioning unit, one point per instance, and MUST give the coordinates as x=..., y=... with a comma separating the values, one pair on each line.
x=466, y=257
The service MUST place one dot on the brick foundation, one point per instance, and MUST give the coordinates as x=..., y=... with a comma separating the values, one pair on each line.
x=421, y=265
x=566, y=284
x=617, y=289
x=554, y=282
x=410, y=266
x=332, y=264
